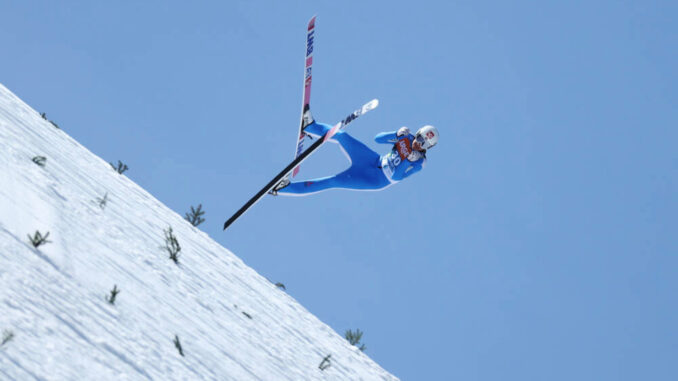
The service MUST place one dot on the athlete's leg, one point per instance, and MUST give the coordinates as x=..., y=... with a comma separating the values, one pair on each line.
x=310, y=186
x=357, y=151
x=364, y=174
x=356, y=177
x=317, y=129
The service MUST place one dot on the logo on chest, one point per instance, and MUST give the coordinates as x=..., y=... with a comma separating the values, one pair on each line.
x=404, y=148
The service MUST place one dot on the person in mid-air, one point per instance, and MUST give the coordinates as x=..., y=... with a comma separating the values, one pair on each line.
x=368, y=170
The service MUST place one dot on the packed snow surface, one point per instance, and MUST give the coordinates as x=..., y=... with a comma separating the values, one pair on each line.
x=56, y=323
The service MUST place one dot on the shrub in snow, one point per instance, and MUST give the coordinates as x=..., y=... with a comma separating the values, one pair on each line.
x=177, y=344
x=102, y=201
x=280, y=286
x=354, y=338
x=121, y=168
x=172, y=245
x=44, y=116
x=38, y=239
x=195, y=216
x=6, y=337
x=325, y=363
x=40, y=160
x=114, y=293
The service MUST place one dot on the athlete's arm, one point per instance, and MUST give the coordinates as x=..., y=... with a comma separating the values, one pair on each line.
x=386, y=138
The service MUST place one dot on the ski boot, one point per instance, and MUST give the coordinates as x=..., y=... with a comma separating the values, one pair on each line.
x=282, y=184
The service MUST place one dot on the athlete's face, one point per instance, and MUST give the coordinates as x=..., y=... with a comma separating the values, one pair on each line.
x=417, y=146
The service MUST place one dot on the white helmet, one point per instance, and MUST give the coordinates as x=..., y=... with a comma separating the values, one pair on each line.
x=427, y=136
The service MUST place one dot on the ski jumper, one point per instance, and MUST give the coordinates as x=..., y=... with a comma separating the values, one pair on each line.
x=368, y=170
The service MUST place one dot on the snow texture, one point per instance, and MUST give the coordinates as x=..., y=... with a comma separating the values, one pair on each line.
x=232, y=323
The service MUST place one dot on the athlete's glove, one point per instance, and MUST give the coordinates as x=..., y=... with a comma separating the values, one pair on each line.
x=403, y=131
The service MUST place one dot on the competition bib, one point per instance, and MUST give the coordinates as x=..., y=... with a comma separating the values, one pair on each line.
x=404, y=148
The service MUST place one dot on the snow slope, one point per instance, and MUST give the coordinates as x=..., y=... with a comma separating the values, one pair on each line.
x=232, y=323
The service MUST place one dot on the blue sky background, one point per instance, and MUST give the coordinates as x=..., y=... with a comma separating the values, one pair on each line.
x=536, y=244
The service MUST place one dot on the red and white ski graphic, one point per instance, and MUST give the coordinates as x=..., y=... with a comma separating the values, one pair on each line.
x=306, y=117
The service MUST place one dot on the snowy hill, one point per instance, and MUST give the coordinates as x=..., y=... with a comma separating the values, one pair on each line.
x=232, y=323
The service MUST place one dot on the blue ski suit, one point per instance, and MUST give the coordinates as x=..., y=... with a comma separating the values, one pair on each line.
x=368, y=170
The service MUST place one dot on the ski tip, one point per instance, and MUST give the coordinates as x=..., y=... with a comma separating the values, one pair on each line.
x=371, y=105
x=311, y=23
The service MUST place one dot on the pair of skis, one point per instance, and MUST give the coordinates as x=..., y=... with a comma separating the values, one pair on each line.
x=306, y=118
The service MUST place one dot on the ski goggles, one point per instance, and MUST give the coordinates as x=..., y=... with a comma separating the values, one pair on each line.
x=421, y=140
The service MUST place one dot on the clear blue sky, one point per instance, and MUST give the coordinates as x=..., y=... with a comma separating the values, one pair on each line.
x=537, y=242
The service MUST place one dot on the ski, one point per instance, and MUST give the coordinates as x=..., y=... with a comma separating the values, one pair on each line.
x=306, y=117
x=371, y=105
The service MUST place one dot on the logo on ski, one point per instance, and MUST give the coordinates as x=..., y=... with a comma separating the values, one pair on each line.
x=306, y=117
x=309, y=43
